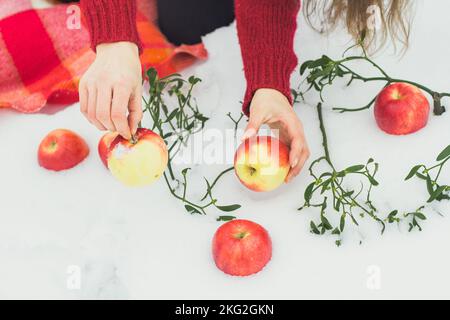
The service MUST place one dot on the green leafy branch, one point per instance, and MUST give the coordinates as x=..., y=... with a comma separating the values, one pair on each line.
x=322, y=72
x=329, y=190
x=412, y=218
x=436, y=190
x=175, y=125
x=431, y=175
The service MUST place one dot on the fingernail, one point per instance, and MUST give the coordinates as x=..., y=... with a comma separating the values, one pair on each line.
x=249, y=133
x=294, y=163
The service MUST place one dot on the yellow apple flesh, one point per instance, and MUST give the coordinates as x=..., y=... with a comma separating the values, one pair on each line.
x=141, y=163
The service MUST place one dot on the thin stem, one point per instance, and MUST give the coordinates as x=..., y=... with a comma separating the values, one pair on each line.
x=236, y=122
x=342, y=110
x=180, y=198
x=324, y=136
x=208, y=192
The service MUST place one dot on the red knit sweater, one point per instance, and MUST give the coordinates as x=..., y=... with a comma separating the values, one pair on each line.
x=266, y=31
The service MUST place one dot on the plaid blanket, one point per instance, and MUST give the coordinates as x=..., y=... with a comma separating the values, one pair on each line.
x=45, y=51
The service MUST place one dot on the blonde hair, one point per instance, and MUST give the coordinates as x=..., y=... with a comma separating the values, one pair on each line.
x=395, y=22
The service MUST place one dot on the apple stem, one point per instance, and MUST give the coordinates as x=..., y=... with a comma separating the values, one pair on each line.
x=242, y=235
x=439, y=109
x=133, y=139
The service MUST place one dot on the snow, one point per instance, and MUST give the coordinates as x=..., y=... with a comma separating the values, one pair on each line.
x=140, y=243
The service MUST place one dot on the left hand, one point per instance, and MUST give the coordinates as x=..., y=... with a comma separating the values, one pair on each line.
x=271, y=107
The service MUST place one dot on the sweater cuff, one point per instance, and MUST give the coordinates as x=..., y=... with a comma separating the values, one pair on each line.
x=270, y=73
x=111, y=21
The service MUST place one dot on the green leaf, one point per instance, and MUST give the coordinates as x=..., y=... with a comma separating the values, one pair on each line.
x=325, y=185
x=182, y=99
x=316, y=86
x=309, y=192
x=341, y=174
x=167, y=135
x=337, y=204
x=356, y=168
x=437, y=193
x=190, y=209
x=444, y=154
x=326, y=224
x=304, y=66
x=348, y=194
x=342, y=222
x=372, y=181
x=326, y=174
x=225, y=218
x=336, y=232
x=201, y=117
x=339, y=72
x=184, y=171
x=193, y=80
x=413, y=172
x=429, y=185
x=152, y=74
x=443, y=197
x=319, y=62
x=421, y=176
x=190, y=126
x=420, y=216
x=393, y=214
x=172, y=115
x=229, y=208
x=314, y=228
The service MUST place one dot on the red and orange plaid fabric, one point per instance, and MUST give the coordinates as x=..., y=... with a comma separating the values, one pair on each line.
x=42, y=59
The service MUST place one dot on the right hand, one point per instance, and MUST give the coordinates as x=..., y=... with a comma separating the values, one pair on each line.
x=271, y=107
x=111, y=89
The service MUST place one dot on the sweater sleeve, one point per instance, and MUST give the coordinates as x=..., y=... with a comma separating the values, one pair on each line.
x=110, y=21
x=266, y=30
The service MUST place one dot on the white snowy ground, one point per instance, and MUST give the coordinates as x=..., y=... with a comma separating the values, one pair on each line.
x=141, y=243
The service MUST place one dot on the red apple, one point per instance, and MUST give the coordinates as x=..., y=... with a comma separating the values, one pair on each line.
x=62, y=149
x=140, y=162
x=401, y=109
x=104, y=144
x=262, y=163
x=241, y=248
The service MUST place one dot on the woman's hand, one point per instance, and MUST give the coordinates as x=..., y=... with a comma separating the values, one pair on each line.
x=271, y=107
x=111, y=89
